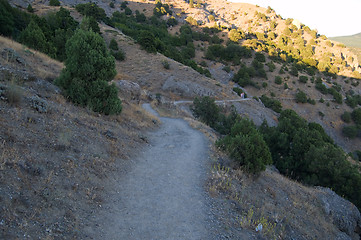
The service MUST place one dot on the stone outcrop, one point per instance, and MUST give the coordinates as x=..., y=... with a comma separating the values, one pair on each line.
x=343, y=213
x=129, y=90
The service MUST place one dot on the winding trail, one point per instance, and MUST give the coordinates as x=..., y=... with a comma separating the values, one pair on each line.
x=163, y=196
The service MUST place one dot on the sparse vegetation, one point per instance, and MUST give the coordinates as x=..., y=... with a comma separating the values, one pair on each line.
x=350, y=131
x=346, y=117
x=165, y=64
x=54, y=3
x=273, y=104
x=301, y=97
x=278, y=80
x=299, y=149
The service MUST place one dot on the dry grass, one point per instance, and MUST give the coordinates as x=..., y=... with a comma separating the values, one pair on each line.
x=272, y=200
x=138, y=115
x=13, y=94
x=41, y=64
x=54, y=165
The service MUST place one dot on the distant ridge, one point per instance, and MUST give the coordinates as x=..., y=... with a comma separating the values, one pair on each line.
x=349, y=41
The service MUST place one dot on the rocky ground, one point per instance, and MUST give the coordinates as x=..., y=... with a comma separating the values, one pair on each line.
x=60, y=165
x=55, y=157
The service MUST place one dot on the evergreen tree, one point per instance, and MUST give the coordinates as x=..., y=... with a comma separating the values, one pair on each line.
x=30, y=8
x=89, y=23
x=113, y=45
x=88, y=69
x=246, y=145
x=356, y=116
x=54, y=3
x=206, y=110
x=33, y=37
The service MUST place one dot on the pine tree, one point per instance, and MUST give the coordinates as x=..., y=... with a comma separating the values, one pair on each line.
x=33, y=37
x=88, y=69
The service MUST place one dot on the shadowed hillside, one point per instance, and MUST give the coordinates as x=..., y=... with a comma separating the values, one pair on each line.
x=63, y=161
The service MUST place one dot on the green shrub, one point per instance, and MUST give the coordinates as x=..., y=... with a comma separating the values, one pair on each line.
x=90, y=23
x=13, y=94
x=289, y=21
x=211, y=18
x=206, y=110
x=239, y=91
x=234, y=35
x=118, y=55
x=113, y=45
x=274, y=104
x=294, y=71
x=301, y=97
x=33, y=37
x=303, y=79
x=346, y=117
x=353, y=100
x=320, y=86
x=245, y=144
x=356, y=116
x=147, y=40
x=227, y=69
x=128, y=11
x=260, y=57
x=350, y=131
x=171, y=21
x=191, y=5
x=30, y=8
x=165, y=64
x=92, y=10
x=271, y=66
x=54, y=3
x=356, y=155
x=336, y=95
x=311, y=101
x=278, y=80
x=123, y=5
x=12, y=20
x=88, y=68
x=191, y=21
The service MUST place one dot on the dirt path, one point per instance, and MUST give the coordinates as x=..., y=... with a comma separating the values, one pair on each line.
x=163, y=196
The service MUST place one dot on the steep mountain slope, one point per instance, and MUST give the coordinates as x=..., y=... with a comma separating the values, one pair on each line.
x=55, y=157
x=89, y=146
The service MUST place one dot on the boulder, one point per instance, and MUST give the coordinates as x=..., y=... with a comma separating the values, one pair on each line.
x=39, y=104
x=186, y=88
x=11, y=55
x=129, y=90
x=343, y=213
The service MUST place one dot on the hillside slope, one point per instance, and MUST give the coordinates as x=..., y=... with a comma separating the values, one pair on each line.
x=55, y=158
x=63, y=161
x=350, y=41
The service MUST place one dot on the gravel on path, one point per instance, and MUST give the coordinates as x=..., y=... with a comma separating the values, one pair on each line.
x=163, y=195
